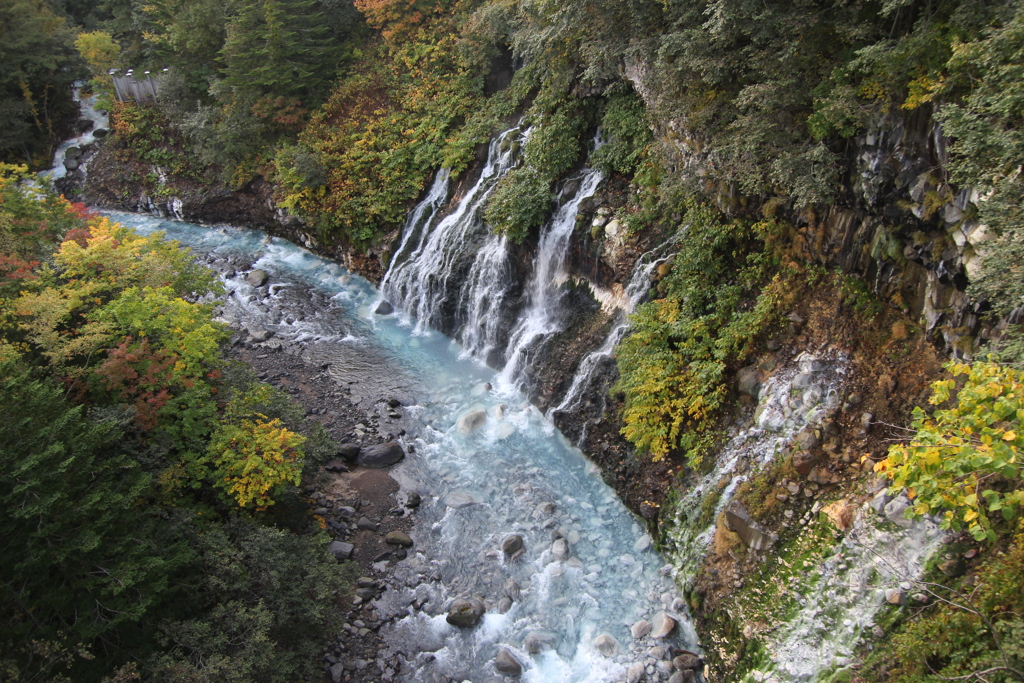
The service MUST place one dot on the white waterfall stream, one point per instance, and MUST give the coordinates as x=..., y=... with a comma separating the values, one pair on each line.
x=543, y=314
x=431, y=281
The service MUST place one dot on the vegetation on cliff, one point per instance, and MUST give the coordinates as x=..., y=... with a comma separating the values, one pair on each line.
x=138, y=469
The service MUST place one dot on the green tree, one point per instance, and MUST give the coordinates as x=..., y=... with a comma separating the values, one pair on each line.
x=38, y=64
x=100, y=52
x=82, y=557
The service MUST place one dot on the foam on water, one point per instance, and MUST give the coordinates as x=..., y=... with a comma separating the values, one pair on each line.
x=477, y=488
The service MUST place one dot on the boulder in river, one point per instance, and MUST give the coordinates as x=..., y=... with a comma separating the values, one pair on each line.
x=100, y=133
x=747, y=382
x=662, y=625
x=256, y=278
x=380, y=455
x=513, y=546
x=71, y=164
x=512, y=589
x=538, y=641
x=640, y=629
x=560, y=549
x=635, y=673
x=465, y=613
x=472, y=420
x=606, y=645
x=504, y=605
x=384, y=308
x=506, y=663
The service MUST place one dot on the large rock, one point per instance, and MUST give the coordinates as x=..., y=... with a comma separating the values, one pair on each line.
x=807, y=439
x=640, y=629
x=71, y=164
x=506, y=663
x=804, y=462
x=472, y=420
x=749, y=531
x=465, y=613
x=73, y=153
x=538, y=641
x=662, y=625
x=635, y=673
x=747, y=382
x=341, y=550
x=256, y=278
x=606, y=645
x=380, y=455
x=399, y=538
x=560, y=549
x=513, y=589
x=384, y=308
x=348, y=451
x=513, y=546
x=688, y=661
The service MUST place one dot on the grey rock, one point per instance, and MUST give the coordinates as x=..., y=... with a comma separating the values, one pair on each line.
x=260, y=335
x=337, y=672
x=656, y=652
x=512, y=589
x=662, y=625
x=465, y=613
x=504, y=605
x=773, y=345
x=100, y=133
x=881, y=499
x=256, y=278
x=366, y=524
x=807, y=440
x=506, y=663
x=895, y=510
x=384, y=308
x=606, y=645
x=747, y=382
x=341, y=550
x=348, y=451
x=538, y=641
x=750, y=532
x=560, y=549
x=688, y=661
x=640, y=629
x=380, y=455
x=677, y=677
x=412, y=499
x=472, y=420
x=73, y=153
x=635, y=673
x=336, y=466
x=399, y=538
x=513, y=546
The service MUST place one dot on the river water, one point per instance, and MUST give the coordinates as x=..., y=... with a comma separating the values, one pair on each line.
x=514, y=474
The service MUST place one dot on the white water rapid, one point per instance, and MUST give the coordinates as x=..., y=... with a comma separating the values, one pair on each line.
x=89, y=112
x=514, y=474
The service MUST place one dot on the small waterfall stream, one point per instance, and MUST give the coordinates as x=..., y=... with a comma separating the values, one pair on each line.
x=543, y=314
x=88, y=111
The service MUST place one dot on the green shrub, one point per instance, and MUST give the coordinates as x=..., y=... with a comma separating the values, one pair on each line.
x=674, y=366
x=520, y=203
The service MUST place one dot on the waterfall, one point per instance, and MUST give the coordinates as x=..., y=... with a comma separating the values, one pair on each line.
x=87, y=111
x=424, y=282
x=543, y=315
x=636, y=291
x=416, y=225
